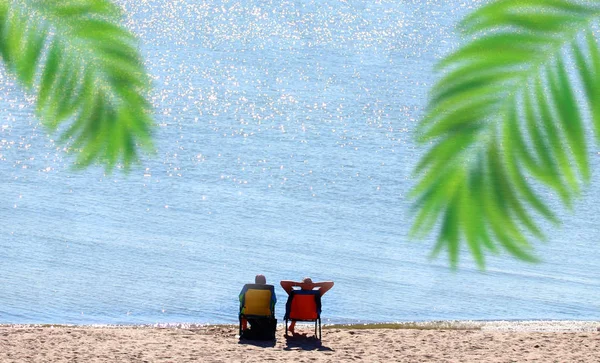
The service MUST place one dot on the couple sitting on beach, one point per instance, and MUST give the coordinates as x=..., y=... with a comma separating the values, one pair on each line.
x=261, y=315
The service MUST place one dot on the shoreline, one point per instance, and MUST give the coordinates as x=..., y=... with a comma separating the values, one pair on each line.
x=484, y=325
x=498, y=341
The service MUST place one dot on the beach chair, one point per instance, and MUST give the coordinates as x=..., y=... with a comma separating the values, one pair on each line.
x=304, y=305
x=258, y=308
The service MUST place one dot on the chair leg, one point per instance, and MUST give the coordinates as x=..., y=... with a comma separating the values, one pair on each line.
x=320, y=334
x=274, y=326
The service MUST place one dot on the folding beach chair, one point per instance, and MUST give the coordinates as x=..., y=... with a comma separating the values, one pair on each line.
x=304, y=305
x=257, y=307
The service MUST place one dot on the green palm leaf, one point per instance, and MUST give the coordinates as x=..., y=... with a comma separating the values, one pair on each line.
x=87, y=72
x=504, y=121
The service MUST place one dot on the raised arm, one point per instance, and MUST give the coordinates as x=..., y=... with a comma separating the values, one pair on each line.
x=324, y=286
x=288, y=285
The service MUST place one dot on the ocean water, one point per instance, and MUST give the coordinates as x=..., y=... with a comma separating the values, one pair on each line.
x=284, y=146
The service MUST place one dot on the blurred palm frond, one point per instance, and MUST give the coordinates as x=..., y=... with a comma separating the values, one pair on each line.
x=87, y=72
x=503, y=121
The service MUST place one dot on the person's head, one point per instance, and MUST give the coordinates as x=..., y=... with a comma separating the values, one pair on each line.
x=260, y=279
x=308, y=283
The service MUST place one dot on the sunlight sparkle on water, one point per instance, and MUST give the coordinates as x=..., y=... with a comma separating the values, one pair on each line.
x=282, y=128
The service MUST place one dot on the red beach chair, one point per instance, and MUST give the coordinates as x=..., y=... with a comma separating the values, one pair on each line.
x=304, y=305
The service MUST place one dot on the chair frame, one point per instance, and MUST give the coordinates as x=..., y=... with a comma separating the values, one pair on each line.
x=317, y=320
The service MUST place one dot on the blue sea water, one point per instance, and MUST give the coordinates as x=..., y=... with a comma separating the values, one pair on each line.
x=284, y=146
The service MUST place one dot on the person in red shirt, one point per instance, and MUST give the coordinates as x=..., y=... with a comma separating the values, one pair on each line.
x=306, y=284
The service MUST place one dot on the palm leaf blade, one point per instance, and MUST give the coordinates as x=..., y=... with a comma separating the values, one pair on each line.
x=569, y=116
x=589, y=71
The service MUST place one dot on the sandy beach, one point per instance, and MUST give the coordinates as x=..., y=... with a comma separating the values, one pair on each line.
x=460, y=342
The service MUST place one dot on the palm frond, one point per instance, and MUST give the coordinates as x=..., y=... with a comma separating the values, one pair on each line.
x=87, y=72
x=504, y=121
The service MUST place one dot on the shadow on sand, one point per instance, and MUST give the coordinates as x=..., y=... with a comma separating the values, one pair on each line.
x=259, y=343
x=304, y=342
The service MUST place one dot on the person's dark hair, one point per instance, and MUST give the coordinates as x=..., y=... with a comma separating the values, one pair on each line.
x=260, y=279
